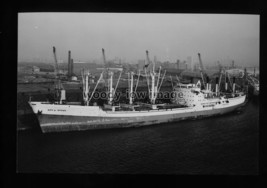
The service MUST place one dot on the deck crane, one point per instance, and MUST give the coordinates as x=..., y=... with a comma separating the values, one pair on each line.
x=155, y=85
x=201, y=70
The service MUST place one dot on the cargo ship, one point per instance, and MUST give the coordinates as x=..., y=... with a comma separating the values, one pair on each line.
x=189, y=101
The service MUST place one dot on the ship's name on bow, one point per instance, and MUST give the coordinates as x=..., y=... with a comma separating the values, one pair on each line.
x=56, y=110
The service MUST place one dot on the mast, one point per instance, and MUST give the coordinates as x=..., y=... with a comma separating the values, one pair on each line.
x=226, y=82
x=154, y=66
x=147, y=78
x=158, y=77
x=110, y=96
x=152, y=88
x=86, y=89
x=131, y=89
x=85, y=79
x=219, y=84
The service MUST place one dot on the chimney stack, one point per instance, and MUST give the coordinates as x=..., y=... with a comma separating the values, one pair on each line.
x=69, y=64
x=71, y=67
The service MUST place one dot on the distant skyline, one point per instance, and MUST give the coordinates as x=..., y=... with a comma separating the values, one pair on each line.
x=218, y=37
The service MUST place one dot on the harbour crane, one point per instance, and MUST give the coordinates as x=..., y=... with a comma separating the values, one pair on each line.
x=201, y=70
x=146, y=65
x=104, y=57
x=56, y=64
x=59, y=89
x=109, y=76
x=147, y=59
x=105, y=66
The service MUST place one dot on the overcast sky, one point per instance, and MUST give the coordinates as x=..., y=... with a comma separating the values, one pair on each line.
x=169, y=37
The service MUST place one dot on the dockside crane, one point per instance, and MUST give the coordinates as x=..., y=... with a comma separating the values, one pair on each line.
x=201, y=70
x=104, y=61
x=56, y=64
x=147, y=58
x=105, y=66
x=109, y=75
x=59, y=89
x=148, y=63
x=58, y=84
x=104, y=57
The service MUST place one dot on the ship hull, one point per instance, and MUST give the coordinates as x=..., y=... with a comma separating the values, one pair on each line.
x=59, y=123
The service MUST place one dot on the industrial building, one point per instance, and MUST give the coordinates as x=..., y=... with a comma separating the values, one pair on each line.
x=35, y=69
